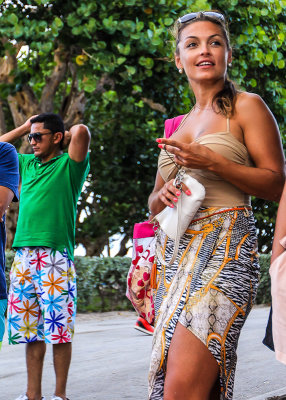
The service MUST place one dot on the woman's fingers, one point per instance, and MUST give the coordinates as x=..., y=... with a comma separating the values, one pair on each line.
x=171, y=149
x=169, y=142
x=186, y=189
x=170, y=145
x=169, y=194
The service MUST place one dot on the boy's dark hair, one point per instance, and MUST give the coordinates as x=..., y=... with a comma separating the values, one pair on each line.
x=52, y=122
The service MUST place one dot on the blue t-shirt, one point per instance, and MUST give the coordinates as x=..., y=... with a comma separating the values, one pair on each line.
x=9, y=177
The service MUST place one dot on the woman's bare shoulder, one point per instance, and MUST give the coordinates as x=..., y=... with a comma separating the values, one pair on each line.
x=250, y=107
x=246, y=99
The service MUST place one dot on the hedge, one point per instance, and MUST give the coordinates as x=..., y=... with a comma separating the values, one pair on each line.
x=101, y=282
x=264, y=293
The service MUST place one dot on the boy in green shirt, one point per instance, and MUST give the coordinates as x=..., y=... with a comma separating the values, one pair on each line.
x=42, y=295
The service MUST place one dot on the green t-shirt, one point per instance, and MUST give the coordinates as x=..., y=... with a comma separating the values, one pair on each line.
x=48, y=201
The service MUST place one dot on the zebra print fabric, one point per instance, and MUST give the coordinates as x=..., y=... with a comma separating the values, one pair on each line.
x=210, y=289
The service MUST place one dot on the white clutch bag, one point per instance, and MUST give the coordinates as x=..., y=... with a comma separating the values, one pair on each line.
x=175, y=221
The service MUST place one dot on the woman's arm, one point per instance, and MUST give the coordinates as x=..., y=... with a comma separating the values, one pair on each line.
x=280, y=228
x=262, y=140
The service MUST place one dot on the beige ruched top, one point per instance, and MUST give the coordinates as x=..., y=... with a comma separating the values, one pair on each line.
x=219, y=193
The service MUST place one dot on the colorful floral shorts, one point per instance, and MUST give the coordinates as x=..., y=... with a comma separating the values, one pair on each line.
x=42, y=296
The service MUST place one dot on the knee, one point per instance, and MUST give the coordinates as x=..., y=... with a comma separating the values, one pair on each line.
x=36, y=350
x=178, y=388
x=175, y=388
x=171, y=394
x=177, y=393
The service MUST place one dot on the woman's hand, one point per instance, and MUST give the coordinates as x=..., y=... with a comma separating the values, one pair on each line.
x=169, y=194
x=191, y=155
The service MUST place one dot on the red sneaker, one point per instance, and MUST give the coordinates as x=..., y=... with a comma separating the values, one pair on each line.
x=144, y=326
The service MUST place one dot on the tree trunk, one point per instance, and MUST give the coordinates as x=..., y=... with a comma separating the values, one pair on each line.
x=11, y=223
x=2, y=120
x=123, y=249
x=95, y=247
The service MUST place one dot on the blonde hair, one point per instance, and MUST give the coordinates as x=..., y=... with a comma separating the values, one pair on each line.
x=224, y=100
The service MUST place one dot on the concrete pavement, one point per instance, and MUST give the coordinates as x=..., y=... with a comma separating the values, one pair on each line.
x=110, y=362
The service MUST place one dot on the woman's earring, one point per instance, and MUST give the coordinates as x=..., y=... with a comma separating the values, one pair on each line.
x=180, y=70
x=230, y=64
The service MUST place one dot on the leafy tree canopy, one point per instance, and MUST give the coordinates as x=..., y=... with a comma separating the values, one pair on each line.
x=109, y=64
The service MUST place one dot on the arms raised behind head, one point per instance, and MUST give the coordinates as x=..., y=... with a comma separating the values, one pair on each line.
x=77, y=139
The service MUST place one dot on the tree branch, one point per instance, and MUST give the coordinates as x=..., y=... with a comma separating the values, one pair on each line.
x=23, y=105
x=123, y=249
x=153, y=105
x=2, y=120
x=76, y=109
x=9, y=63
x=74, y=86
x=53, y=82
x=103, y=82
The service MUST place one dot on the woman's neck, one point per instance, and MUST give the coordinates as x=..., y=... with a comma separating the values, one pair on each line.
x=204, y=93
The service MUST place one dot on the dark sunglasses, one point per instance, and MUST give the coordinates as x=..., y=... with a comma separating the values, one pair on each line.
x=37, y=136
x=193, y=15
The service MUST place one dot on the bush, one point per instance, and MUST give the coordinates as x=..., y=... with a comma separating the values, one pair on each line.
x=101, y=282
x=264, y=292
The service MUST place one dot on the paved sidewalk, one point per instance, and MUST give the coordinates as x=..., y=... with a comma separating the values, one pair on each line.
x=110, y=362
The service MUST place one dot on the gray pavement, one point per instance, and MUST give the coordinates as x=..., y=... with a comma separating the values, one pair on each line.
x=110, y=361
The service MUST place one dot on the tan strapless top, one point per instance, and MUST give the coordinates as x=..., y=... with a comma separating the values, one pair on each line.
x=219, y=193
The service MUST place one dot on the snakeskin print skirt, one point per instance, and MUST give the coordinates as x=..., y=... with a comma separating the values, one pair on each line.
x=210, y=289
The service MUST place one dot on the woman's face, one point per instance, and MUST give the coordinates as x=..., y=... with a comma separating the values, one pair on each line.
x=203, y=52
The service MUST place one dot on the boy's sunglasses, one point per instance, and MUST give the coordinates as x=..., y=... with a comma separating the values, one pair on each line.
x=193, y=15
x=37, y=136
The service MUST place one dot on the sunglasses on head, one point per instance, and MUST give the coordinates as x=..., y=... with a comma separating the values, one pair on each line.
x=37, y=136
x=194, y=15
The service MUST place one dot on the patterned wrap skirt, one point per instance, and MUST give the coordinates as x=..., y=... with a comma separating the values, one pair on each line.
x=209, y=289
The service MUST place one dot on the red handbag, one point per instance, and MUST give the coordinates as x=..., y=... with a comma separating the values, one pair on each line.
x=143, y=267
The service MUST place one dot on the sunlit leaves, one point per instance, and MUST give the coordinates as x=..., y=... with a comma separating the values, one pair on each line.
x=89, y=84
x=120, y=60
x=125, y=50
x=109, y=24
x=147, y=62
x=281, y=64
x=12, y=19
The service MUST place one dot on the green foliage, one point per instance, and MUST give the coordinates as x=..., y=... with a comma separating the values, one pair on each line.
x=102, y=283
x=121, y=52
x=264, y=291
x=265, y=217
